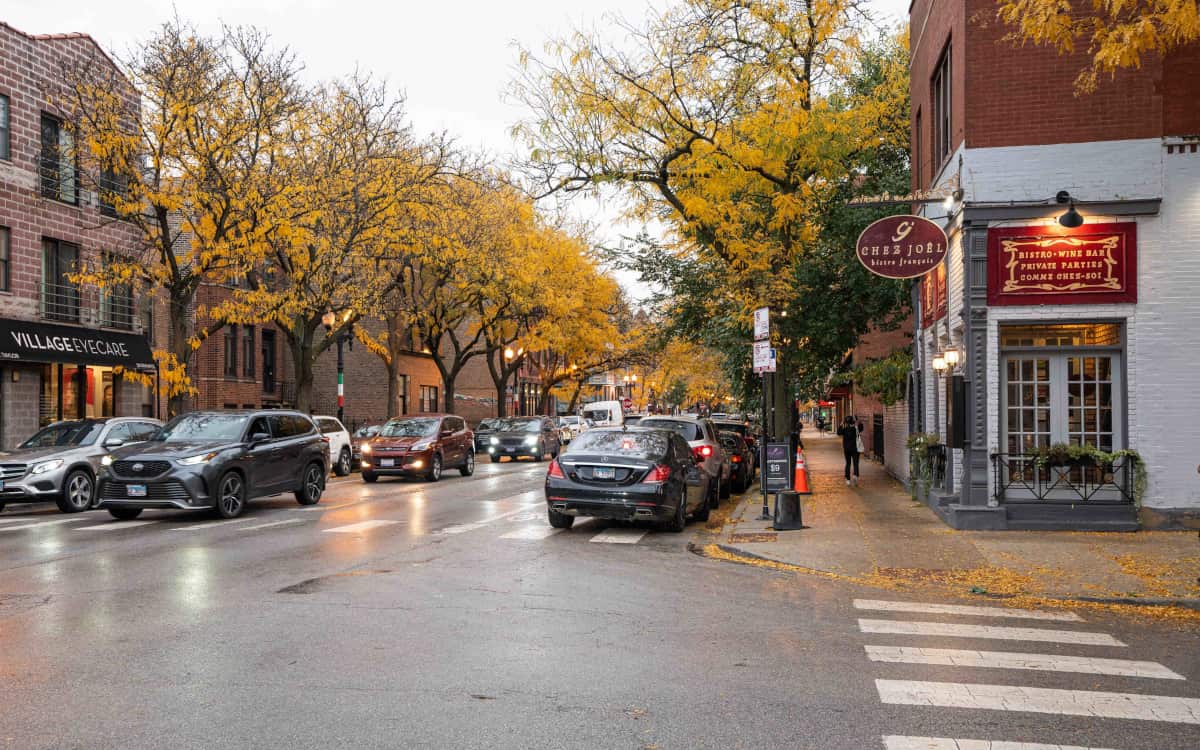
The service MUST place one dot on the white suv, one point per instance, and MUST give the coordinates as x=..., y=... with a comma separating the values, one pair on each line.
x=341, y=454
x=702, y=436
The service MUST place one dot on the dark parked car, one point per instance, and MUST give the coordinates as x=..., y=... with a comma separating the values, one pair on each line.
x=217, y=460
x=701, y=435
x=741, y=458
x=360, y=436
x=524, y=436
x=483, y=434
x=627, y=474
x=748, y=433
x=419, y=446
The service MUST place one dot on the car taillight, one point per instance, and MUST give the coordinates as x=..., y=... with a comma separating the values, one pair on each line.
x=658, y=475
x=736, y=459
x=556, y=471
x=324, y=440
x=702, y=451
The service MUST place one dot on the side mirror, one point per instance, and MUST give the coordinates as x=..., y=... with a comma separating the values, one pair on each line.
x=447, y=433
x=259, y=437
x=114, y=443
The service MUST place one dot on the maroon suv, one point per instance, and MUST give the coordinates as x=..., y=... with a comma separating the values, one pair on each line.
x=423, y=446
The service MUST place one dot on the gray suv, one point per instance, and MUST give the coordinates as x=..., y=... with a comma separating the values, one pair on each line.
x=61, y=460
x=219, y=461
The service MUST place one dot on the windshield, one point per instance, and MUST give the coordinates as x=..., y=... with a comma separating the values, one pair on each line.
x=569, y=420
x=652, y=445
x=518, y=425
x=203, y=427
x=686, y=430
x=599, y=415
x=65, y=434
x=488, y=424
x=409, y=428
x=370, y=430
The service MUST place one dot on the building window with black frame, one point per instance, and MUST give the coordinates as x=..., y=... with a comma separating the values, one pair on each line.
x=5, y=130
x=231, y=350
x=429, y=398
x=116, y=302
x=60, y=295
x=248, y=352
x=58, y=172
x=113, y=187
x=402, y=386
x=942, y=111
x=5, y=259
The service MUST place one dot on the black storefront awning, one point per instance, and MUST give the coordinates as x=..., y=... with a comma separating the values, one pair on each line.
x=27, y=341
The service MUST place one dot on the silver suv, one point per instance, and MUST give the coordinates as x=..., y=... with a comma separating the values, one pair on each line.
x=701, y=435
x=60, y=461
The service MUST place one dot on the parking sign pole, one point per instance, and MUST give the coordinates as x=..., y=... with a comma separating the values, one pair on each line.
x=762, y=449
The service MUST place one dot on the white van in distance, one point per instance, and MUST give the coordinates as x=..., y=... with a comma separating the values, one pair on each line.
x=604, y=413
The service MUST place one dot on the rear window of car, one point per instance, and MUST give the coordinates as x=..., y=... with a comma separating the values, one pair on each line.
x=737, y=427
x=685, y=430
x=652, y=445
x=328, y=425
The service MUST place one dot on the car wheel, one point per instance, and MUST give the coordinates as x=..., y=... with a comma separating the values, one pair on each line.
x=725, y=488
x=743, y=481
x=679, y=521
x=231, y=495
x=468, y=467
x=560, y=520
x=435, y=468
x=125, y=514
x=1, y=507
x=370, y=478
x=343, y=464
x=541, y=452
x=313, y=485
x=701, y=514
x=714, y=495
x=77, y=492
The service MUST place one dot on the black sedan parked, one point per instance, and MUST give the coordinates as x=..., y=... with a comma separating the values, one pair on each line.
x=627, y=474
x=741, y=458
x=217, y=460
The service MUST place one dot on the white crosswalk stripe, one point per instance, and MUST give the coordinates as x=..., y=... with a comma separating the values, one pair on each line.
x=1040, y=700
x=272, y=524
x=879, y=605
x=994, y=632
x=211, y=524
x=1010, y=660
x=531, y=532
x=360, y=526
x=898, y=742
x=114, y=525
x=619, y=536
x=40, y=524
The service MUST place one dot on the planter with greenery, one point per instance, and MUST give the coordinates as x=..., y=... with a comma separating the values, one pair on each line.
x=1065, y=456
x=920, y=469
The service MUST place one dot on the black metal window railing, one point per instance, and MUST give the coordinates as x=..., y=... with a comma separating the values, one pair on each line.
x=60, y=302
x=1018, y=478
x=116, y=308
x=936, y=456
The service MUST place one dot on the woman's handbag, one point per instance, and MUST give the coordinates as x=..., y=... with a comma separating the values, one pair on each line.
x=858, y=443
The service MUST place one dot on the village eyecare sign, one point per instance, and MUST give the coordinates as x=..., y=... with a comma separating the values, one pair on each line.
x=901, y=247
x=26, y=341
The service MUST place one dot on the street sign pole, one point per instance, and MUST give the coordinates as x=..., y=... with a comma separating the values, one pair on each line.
x=762, y=450
x=764, y=362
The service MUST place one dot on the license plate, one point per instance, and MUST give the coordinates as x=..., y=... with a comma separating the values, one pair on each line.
x=386, y=462
x=604, y=472
x=135, y=490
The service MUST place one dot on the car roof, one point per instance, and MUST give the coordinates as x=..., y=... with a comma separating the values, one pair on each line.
x=675, y=417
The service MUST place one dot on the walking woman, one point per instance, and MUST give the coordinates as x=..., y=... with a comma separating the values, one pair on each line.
x=850, y=442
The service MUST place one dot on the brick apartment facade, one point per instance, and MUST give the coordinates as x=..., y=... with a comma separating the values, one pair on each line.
x=59, y=341
x=1066, y=334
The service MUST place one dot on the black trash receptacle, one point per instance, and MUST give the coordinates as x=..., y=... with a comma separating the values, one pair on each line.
x=787, y=511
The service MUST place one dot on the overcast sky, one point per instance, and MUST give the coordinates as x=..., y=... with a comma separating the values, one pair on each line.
x=453, y=59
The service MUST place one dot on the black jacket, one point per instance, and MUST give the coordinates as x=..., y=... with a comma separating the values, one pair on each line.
x=849, y=433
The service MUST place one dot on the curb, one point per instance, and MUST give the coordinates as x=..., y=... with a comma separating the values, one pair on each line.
x=1193, y=604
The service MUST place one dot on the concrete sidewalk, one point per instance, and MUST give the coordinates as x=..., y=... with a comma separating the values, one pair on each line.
x=875, y=534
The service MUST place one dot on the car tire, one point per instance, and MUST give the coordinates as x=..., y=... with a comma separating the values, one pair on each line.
x=724, y=488
x=125, y=514
x=435, y=468
x=468, y=467
x=344, y=464
x=312, y=485
x=78, y=491
x=541, y=453
x=714, y=494
x=1, y=507
x=701, y=514
x=231, y=495
x=678, y=522
x=370, y=477
x=560, y=520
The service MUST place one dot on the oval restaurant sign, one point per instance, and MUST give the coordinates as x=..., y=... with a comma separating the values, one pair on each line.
x=901, y=247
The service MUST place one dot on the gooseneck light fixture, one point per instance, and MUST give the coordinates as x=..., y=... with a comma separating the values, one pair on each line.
x=1072, y=218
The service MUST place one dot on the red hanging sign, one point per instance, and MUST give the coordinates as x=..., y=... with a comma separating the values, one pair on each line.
x=1050, y=265
x=901, y=247
x=934, y=296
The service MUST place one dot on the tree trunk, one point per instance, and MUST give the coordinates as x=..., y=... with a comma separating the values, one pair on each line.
x=575, y=396
x=302, y=369
x=179, y=345
x=500, y=381
x=394, y=397
x=448, y=391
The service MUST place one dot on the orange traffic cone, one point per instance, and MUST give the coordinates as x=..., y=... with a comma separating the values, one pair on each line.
x=800, y=479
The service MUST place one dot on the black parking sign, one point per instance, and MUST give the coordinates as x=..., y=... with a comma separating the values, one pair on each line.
x=778, y=467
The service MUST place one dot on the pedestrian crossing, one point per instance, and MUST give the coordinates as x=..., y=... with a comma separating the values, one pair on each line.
x=1005, y=695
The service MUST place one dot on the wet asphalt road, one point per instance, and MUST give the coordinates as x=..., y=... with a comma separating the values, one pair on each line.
x=447, y=615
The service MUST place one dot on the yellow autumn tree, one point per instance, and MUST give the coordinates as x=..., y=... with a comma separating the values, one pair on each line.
x=185, y=143
x=1117, y=34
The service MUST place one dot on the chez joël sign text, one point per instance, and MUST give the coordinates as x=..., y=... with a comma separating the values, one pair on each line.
x=901, y=247
x=1049, y=265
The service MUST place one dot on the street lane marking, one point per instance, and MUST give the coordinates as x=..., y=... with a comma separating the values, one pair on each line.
x=463, y=528
x=360, y=526
x=1010, y=660
x=619, y=536
x=531, y=532
x=962, y=609
x=897, y=742
x=322, y=508
x=993, y=632
x=278, y=523
x=38, y=524
x=1040, y=700
x=111, y=525
x=211, y=524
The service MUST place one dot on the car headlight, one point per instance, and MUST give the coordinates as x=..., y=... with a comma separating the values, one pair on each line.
x=366, y=448
x=107, y=460
x=45, y=466
x=201, y=459
x=531, y=440
x=424, y=445
x=495, y=441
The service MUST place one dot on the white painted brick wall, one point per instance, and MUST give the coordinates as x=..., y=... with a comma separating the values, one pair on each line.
x=1103, y=170
x=895, y=439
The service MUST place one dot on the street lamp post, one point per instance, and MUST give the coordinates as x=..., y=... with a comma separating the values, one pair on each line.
x=329, y=319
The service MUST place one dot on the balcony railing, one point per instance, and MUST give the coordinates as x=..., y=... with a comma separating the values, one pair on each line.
x=107, y=308
x=1019, y=478
x=117, y=309
x=61, y=302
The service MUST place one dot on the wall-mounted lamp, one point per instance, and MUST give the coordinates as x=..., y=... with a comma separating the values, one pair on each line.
x=946, y=362
x=1072, y=218
x=952, y=199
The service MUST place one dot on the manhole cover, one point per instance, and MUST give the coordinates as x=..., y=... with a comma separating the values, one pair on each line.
x=765, y=536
